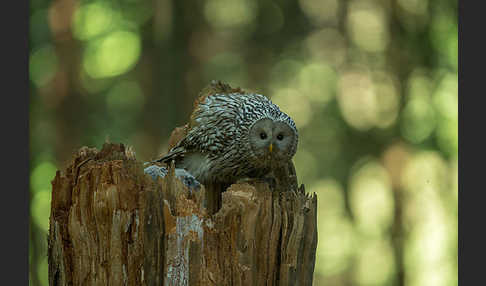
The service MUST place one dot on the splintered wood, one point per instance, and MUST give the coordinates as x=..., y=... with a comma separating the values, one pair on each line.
x=111, y=224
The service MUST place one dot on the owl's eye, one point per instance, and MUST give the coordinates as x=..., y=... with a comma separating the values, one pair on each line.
x=280, y=137
x=263, y=135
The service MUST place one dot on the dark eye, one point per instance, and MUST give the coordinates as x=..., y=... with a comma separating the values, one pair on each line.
x=280, y=136
x=263, y=135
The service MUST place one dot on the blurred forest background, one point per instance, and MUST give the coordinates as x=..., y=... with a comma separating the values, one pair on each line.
x=371, y=84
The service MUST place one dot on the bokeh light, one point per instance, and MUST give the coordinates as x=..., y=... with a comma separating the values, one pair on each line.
x=431, y=219
x=39, y=174
x=334, y=250
x=112, y=55
x=93, y=19
x=42, y=270
x=375, y=263
x=317, y=82
x=417, y=7
x=327, y=45
x=444, y=37
x=371, y=85
x=41, y=208
x=419, y=119
x=371, y=199
x=446, y=102
x=367, y=26
x=43, y=64
x=230, y=13
x=357, y=99
x=425, y=174
x=387, y=97
x=430, y=214
x=295, y=104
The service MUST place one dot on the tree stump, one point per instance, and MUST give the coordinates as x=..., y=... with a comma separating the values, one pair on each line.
x=111, y=224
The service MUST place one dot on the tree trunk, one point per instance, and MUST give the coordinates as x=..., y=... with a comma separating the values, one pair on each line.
x=111, y=224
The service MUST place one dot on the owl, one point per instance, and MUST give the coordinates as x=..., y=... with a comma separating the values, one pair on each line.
x=232, y=135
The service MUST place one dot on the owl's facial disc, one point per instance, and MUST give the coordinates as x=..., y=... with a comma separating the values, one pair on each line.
x=272, y=140
x=261, y=136
x=283, y=140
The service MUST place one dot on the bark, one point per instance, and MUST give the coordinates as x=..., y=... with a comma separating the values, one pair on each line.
x=111, y=224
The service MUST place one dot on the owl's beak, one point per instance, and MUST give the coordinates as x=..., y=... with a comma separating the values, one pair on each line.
x=270, y=148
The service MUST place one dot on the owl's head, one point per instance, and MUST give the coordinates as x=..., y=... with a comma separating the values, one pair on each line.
x=275, y=139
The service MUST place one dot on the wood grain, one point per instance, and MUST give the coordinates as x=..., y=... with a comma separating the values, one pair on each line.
x=111, y=224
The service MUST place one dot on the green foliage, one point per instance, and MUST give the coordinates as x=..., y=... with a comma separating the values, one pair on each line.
x=373, y=88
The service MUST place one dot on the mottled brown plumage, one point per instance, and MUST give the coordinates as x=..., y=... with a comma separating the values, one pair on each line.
x=233, y=134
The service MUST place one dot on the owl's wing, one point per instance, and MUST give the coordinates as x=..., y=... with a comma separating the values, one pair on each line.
x=212, y=127
x=192, y=142
x=173, y=154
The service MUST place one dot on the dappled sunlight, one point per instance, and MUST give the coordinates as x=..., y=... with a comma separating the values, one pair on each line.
x=230, y=13
x=317, y=81
x=372, y=88
x=446, y=102
x=39, y=174
x=432, y=227
x=295, y=104
x=41, y=208
x=427, y=248
x=388, y=98
x=417, y=7
x=371, y=199
x=93, y=19
x=419, y=119
x=375, y=264
x=357, y=99
x=335, y=237
x=327, y=45
x=112, y=55
x=426, y=174
x=367, y=26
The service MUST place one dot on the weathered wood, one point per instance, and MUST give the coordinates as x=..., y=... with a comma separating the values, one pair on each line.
x=111, y=224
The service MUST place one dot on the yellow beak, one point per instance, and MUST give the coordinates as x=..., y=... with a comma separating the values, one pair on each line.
x=270, y=148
